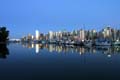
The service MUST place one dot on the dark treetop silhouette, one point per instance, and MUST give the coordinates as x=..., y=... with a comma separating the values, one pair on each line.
x=4, y=33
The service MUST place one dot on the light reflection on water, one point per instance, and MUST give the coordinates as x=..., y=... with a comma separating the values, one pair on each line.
x=107, y=50
x=59, y=62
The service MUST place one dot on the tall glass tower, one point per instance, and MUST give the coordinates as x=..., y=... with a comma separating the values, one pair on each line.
x=37, y=34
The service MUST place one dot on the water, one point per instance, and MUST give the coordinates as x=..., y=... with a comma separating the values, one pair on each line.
x=52, y=62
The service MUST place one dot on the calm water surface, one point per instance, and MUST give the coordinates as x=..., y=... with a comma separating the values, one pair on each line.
x=48, y=62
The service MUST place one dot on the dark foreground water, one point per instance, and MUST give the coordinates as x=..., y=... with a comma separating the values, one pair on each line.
x=51, y=62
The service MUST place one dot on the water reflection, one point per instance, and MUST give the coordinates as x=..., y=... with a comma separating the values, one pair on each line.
x=3, y=51
x=107, y=50
x=37, y=48
x=75, y=61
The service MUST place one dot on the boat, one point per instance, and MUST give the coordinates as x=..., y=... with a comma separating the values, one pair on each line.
x=88, y=43
x=103, y=43
x=79, y=43
x=116, y=43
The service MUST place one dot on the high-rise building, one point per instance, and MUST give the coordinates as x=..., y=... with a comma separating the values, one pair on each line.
x=118, y=35
x=37, y=34
x=29, y=37
x=114, y=34
x=107, y=32
x=51, y=35
x=32, y=37
x=92, y=34
x=82, y=35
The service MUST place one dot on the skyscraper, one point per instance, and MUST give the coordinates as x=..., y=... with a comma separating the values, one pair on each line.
x=81, y=35
x=37, y=34
x=51, y=34
x=107, y=32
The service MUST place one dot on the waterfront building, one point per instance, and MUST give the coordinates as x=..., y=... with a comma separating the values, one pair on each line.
x=46, y=36
x=91, y=34
x=41, y=37
x=29, y=37
x=51, y=35
x=107, y=33
x=75, y=33
x=81, y=35
x=114, y=34
x=60, y=34
x=32, y=37
x=37, y=34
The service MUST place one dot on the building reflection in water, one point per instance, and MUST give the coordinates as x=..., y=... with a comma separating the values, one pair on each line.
x=32, y=45
x=51, y=48
x=37, y=48
x=82, y=51
x=109, y=51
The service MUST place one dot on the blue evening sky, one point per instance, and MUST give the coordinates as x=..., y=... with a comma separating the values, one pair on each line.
x=25, y=16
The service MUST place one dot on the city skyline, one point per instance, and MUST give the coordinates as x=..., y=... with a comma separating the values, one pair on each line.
x=24, y=16
x=33, y=32
x=107, y=33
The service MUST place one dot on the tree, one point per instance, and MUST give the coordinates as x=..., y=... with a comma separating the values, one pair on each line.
x=4, y=33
